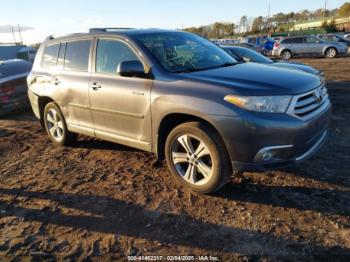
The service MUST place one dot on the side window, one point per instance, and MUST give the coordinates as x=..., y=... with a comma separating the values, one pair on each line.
x=298, y=40
x=311, y=40
x=287, y=41
x=110, y=53
x=49, y=58
x=77, y=56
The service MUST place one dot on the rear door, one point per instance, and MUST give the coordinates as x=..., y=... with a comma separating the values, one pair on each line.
x=299, y=46
x=120, y=105
x=72, y=79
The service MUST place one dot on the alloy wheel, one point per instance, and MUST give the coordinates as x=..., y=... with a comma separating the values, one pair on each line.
x=55, y=124
x=192, y=159
x=286, y=55
x=331, y=52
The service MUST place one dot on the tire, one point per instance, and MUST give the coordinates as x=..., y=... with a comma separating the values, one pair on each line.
x=56, y=127
x=197, y=157
x=286, y=55
x=331, y=52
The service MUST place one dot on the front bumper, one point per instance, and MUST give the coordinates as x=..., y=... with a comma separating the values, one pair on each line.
x=260, y=141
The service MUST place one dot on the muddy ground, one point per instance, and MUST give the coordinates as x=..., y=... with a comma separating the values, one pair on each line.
x=100, y=200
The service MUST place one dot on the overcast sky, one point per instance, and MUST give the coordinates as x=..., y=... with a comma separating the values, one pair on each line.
x=67, y=16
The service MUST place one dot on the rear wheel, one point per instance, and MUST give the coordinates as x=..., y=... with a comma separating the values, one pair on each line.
x=286, y=55
x=55, y=125
x=197, y=157
x=331, y=52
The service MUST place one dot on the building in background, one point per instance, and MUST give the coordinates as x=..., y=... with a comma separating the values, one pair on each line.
x=343, y=24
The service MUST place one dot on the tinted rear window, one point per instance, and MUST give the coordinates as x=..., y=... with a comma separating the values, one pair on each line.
x=298, y=40
x=77, y=56
x=50, y=56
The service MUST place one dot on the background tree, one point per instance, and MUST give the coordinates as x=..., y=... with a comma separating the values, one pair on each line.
x=243, y=24
x=344, y=10
x=257, y=24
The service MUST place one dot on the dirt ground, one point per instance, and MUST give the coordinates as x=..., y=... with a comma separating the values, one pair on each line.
x=100, y=200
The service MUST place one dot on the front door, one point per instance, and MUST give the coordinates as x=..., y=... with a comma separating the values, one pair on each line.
x=314, y=45
x=120, y=105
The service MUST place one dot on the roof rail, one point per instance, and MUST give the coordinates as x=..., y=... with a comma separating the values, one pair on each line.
x=91, y=30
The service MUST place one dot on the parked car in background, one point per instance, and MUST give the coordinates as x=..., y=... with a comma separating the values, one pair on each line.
x=13, y=85
x=17, y=51
x=180, y=96
x=265, y=42
x=336, y=38
x=347, y=36
x=256, y=48
x=247, y=55
x=289, y=47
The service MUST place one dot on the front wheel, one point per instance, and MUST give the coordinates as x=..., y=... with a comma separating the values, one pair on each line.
x=331, y=52
x=197, y=157
x=56, y=126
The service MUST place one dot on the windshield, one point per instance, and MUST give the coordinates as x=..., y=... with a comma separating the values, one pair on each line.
x=249, y=55
x=184, y=52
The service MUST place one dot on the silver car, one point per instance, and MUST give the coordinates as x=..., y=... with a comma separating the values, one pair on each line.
x=289, y=47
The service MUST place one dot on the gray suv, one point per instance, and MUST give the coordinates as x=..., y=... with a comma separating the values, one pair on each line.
x=289, y=47
x=180, y=96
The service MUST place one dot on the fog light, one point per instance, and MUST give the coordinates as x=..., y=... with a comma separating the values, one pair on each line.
x=273, y=153
x=267, y=156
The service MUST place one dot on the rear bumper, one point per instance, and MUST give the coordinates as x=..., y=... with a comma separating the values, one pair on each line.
x=34, y=102
x=275, y=53
x=13, y=104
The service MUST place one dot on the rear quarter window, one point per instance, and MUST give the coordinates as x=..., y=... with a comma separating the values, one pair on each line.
x=49, y=58
x=77, y=55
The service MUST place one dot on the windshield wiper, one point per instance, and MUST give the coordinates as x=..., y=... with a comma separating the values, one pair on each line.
x=189, y=70
x=226, y=65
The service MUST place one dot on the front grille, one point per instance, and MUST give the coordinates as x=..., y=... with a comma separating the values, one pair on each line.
x=310, y=104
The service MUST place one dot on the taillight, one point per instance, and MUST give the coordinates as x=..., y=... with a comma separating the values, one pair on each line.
x=7, y=89
x=4, y=99
x=276, y=45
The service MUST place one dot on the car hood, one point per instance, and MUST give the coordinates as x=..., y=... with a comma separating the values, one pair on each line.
x=257, y=79
x=297, y=66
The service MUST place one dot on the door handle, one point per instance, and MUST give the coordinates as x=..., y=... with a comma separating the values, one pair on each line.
x=95, y=86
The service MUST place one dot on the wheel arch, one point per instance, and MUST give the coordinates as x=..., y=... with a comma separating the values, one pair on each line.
x=286, y=49
x=329, y=47
x=170, y=121
x=42, y=102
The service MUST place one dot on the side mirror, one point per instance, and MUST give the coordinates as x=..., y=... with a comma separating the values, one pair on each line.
x=132, y=68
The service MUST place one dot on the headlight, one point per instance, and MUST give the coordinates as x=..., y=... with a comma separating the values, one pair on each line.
x=268, y=104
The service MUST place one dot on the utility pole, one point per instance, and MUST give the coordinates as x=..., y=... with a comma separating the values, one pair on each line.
x=325, y=9
x=13, y=33
x=20, y=35
x=268, y=17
